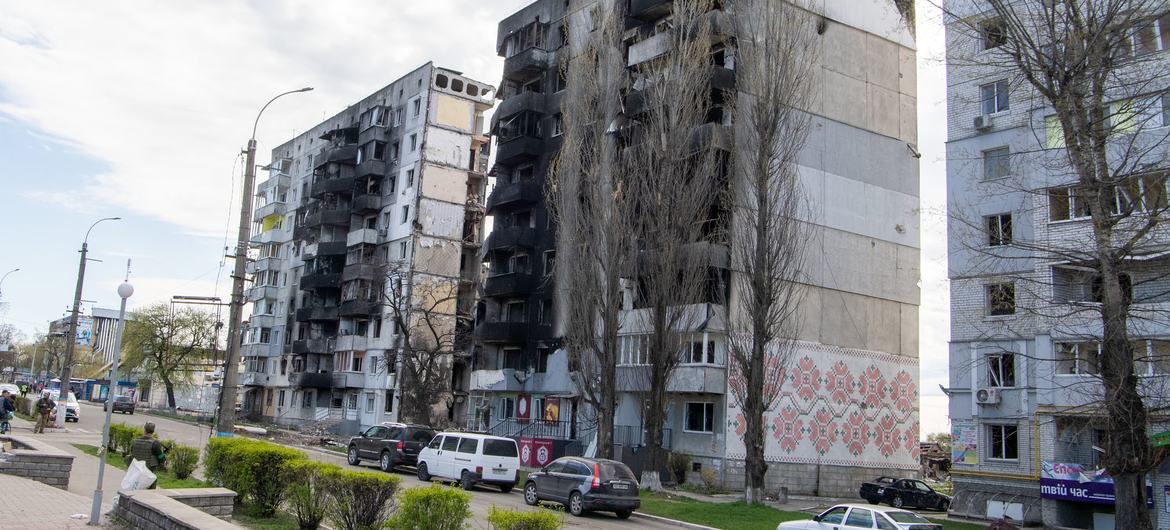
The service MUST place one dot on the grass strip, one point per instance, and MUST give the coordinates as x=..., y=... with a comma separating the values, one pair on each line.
x=166, y=478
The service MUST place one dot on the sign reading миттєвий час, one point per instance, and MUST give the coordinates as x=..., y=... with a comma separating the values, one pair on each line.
x=1071, y=482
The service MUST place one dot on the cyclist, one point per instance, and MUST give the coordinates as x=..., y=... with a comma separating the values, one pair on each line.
x=7, y=411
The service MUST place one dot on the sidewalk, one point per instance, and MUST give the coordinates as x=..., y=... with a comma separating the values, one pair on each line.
x=29, y=505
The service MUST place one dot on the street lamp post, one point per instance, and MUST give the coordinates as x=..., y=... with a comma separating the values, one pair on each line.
x=2, y=278
x=225, y=424
x=71, y=339
x=124, y=291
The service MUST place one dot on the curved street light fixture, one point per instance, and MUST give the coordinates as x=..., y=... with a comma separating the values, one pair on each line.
x=225, y=422
x=2, y=278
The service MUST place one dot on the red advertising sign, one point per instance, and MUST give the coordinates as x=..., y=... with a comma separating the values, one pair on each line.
x=523, y=408
x=543, y=447
x=526, y=453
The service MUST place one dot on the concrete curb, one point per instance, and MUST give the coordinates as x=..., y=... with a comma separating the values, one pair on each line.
x=672, y=522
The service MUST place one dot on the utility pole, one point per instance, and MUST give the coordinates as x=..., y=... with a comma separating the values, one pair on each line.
x=71, y=337
x=124, y=291
x=225, y=424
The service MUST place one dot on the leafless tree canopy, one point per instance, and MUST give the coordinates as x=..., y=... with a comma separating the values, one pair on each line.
x=423, y=308
x=594, y=211
x=1091, y=62
x=776, y=54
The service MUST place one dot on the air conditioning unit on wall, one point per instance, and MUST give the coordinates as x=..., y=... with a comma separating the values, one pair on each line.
x=983, y=122
x=987, y=396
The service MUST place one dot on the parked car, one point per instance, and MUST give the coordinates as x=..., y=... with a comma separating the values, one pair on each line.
x=585, y=485
x=903, y=492
x=471, y=458
x=847, y=516
x=72, y=409
x=392, y=444
x=11, y=388
x=123, y=404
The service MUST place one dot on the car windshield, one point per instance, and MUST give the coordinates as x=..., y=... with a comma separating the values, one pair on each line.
x=499, y=447
x=616, y=470
x=122, y=398
x=906, y=517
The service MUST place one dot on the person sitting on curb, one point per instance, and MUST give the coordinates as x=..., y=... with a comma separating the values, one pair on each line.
x=44, y=407
x=148, y=449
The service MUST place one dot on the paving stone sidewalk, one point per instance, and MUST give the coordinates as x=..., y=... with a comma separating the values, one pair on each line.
x=30, y=505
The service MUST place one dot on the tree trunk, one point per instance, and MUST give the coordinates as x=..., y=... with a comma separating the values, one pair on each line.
x=170, y=387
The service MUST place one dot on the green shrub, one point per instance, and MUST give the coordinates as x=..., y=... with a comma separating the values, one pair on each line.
x=182, y=459
x=710, y=480
x=680, y=465
x=432, y=508
x=253, y=469
x=359, y=500
x=515, y=520
x=122, y=436
x=306, y=495
x=23, y=405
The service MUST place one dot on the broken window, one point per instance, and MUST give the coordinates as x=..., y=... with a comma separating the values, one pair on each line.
x=441, y=81
x=700, y=417
x=558, y=126
x=1005, y=444
x=1001, y=299
x=1001, y=370
x=514, y=311
x=999, y=229
x=994, y=33
x=1077, y=358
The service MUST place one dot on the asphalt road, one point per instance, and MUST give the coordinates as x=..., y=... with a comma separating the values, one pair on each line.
x=88, y=430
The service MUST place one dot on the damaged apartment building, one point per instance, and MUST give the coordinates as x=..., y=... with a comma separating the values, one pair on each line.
x=365, y=211
x=849, y=408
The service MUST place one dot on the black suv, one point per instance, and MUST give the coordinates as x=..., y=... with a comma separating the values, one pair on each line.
x=123, y=404
x=391, y=444
x=585, y=485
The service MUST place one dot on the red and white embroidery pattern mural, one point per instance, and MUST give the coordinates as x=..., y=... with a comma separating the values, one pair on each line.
x=839, y=406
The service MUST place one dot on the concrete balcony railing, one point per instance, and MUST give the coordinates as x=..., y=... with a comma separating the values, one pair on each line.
x=354, y=308
x=510, y=283
x=526, y=100
x=371, y=167
x=368, y=236
x=518, y=149
x=351, y=342
x=366, y=203
x=253, y=379
x=511, y=194
x=262, y=321
x=261, y=292
x=331, y=248
x=278, y=180
x=321, y=280
x=317, y=345
x=311, y=379
x=275, y=235
x=272, y=208
x=526, y=65
x=264, y=264
x=696, y=379
x=362, y=271
x=511, y=236
x=313, y=313
x=495, y=381
x=502, y=331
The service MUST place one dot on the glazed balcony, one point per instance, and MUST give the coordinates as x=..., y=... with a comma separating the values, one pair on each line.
x=341, y=154
x=338, y=185
x=263, y=264
x=687, y=378
x=355, y=308
x=352, y=342
x=367, y=236
x=272, y=208
x=330, y=217
x=362, y=271
x=261, y=292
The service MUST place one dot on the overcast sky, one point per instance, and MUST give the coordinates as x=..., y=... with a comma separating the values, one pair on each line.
x=139, y=110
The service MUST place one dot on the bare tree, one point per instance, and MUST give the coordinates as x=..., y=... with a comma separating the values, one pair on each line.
x=170, y=345
x=593, y=208
x=775, y=60
x=1091, y=63
x=425, y=315
x=675, y=174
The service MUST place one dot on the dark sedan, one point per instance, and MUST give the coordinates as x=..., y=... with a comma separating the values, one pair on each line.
x=585, y=485
x=123, y=404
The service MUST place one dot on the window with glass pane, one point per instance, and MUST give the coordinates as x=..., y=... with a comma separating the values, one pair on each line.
x=700, y=417
x=1005, y=443
x=994, y=97
x=996, y=163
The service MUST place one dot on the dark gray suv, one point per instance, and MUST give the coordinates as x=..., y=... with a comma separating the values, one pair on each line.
x=585, y=485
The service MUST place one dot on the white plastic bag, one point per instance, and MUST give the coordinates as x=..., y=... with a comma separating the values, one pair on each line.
x=138, y=477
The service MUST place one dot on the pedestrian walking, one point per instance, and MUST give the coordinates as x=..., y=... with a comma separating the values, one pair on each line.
x=24, y=389
x=44, y=407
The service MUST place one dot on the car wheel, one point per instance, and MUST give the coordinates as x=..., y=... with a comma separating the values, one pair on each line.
x=386, y=462
x=896, y=501
x=623, y=514
x=465, y=480
x=872, y=500
x=530, y=496
x=576, y=504
x=506, y=488
x=422, y=472
x=352, y=456
x=131, y=413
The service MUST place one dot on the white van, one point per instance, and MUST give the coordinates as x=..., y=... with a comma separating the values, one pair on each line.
x=471, y=458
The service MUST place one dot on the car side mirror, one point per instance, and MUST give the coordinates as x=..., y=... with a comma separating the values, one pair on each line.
x=816, y=518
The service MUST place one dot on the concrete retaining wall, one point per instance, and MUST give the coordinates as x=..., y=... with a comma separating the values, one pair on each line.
x=33, y=459
x=800, y=479
x=190, y=509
